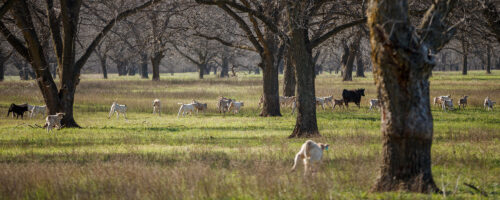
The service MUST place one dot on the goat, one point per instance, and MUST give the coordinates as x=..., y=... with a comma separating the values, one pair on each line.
x=353, y=96
x=310, y=153
x=117, y=108
x=53, y=121
x=447, y=104
x=17, y=110
x=36, y=109
x=185, y=108
x=338, y=102
x=157, y=107
x=488, y=104
x=374, y=103
x=462, y=102
x=199, y=106
x=235, y=106
x=439, y=100
x=223, y=104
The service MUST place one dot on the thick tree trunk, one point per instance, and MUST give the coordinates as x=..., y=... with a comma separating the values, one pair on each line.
x=401, y=68
x=289, y=76
x=270, y=86
x=302, y=60
x=155, y=61
x=122, y=68
x=144, y=66
x=349, y=65
x=360, y=67
x=201, y=71
x=224, y=72
x=465, y=54
x=488, y=59
x=132, y=68
x=2, y=69
x=103, y=59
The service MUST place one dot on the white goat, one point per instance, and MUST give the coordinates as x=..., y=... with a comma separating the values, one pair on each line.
x=439, y=100
x=36, y=109
x=53, y=121
x=185, y=108
x=235, y=106
x=310, y=153
x=157, y=107
x=447, y=104
x=117, y=108
x=488, y=104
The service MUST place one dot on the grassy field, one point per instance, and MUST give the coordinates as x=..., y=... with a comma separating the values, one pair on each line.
x=242, y=156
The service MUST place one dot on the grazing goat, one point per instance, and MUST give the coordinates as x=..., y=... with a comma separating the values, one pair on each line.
x=310, y=153
x=223, y=104
x=374, y=103
x=488, y=104
x=338, y=102
x=353, y=96
x=447, y=104
x=235, y=106
x=462, y=102
x=36, y=109
x=53, y=121
x=186, y=108
x=199, y=106
x=17, y=110
x=157, y=107
x=117, y=108
x=439, y=100
x=324, y=100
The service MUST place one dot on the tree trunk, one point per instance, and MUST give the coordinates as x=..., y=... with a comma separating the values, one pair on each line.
x=465, y=54
x=2, y=68
x=349, y=65
x=103, y=59
x=131, y=68
x=224, y=72
x=144, y=66
x=302, y=60
x=360, y=67
x=122, y=68
x=488, y=59
x=201, y=71
x=215, y=70
x=155, y=61
x=289, y=77
x=401, y=68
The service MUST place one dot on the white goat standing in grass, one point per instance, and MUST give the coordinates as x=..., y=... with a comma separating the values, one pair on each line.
x=488, y=104
x=53, y=121
x=310, y=153
x=117, y=108
x=157, y=107
x=36, y=109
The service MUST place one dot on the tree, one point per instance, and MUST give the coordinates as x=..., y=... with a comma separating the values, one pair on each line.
x=4, y=56
x=403, y=57
x=264, y=41
x=492, y=16
x=201, y=55
x=63, y=28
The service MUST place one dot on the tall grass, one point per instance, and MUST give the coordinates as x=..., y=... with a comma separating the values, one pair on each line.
x=242, y=156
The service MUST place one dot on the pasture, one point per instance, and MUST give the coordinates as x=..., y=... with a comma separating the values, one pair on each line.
x=242, y=156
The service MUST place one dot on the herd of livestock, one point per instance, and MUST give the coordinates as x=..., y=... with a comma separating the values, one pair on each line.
x=227, y=105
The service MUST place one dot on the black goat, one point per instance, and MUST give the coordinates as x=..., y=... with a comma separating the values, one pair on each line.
x=353, y=96
x=17, y=110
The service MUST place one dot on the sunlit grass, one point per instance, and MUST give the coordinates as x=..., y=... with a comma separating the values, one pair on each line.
x=242, y=156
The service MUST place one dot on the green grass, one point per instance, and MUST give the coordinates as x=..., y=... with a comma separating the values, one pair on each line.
x=242, y=156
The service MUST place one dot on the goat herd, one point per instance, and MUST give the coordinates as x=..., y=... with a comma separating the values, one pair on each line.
x=227, y=105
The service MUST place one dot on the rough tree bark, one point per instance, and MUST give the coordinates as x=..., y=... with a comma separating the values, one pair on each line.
x=349, y=65
x=155, y=61
x=289, y=84
x=63, y=32
x=360, y=67
x=301, y=58
x=201, y=70
x=269, y=65
x=465, y=55
x=144, y=66
x=488, y=59
x=402, y=63
x=103, y=59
